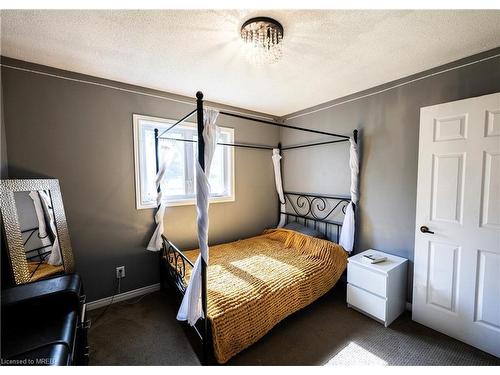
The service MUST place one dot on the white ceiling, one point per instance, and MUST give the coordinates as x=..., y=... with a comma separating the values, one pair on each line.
x=327, y=53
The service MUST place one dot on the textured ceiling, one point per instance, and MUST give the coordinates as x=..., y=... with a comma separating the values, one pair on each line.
x=327, y=54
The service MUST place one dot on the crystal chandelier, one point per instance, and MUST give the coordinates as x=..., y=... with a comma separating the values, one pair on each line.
x=263, y=38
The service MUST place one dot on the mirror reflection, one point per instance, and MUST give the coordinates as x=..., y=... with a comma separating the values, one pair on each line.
x=39, y=233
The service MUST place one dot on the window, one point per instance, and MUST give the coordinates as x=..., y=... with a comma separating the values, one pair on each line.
x=180, y=183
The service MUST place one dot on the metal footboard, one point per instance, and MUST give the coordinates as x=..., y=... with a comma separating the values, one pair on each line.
x=175, y=262
x=173, y=270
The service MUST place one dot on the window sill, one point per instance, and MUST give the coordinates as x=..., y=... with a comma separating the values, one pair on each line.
x=187, y=202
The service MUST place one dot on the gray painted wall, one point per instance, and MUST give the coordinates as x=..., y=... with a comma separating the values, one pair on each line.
x=3, y=139
x=389, y=126
x=82, y=135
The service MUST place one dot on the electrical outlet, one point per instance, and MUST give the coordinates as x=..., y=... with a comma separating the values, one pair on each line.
x=120, y=272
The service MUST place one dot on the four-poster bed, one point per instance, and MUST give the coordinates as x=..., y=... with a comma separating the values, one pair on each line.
x=317, y=262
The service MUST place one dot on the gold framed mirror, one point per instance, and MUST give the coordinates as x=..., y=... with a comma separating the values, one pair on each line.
x=35, y=229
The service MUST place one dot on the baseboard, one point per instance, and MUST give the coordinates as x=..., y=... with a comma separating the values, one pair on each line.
x=145, y=290
x=122, y=296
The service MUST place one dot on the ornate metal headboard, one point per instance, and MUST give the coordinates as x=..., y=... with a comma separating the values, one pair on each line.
x=324, y=213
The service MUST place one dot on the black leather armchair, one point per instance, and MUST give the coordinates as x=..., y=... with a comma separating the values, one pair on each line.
x=44, y=323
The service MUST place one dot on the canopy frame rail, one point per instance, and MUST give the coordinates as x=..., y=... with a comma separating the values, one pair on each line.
x=243, y=145
x=259, y=147
x=343, y=137
x=178, y=122
x=294, y=147
x=250, y=118
x=283, y=125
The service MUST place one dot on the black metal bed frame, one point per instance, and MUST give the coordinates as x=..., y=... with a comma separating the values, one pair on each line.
x=39, y=254
x=312, y=210
x=317, y=211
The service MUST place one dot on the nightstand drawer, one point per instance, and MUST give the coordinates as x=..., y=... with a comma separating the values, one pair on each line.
x=367, y=279
x=367, y=302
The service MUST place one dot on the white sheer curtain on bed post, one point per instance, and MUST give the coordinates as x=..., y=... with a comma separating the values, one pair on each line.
x=55, y=258
x=279, y=183
x=40, y=216
x=43, y=209
x=193, y=303
x=162, y=163
x=349, y=225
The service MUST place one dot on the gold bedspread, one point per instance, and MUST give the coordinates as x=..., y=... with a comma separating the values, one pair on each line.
x=255, y=283
x=41, y=271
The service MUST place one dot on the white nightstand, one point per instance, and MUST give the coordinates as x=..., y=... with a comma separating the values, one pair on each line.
x=377, y=290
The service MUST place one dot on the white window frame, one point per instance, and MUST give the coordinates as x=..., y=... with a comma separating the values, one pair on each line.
x=176, y=202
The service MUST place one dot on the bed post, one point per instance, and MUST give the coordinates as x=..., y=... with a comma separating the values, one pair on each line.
x=157, y=158
x=158, y=188
x=201, y=160
x=355, y=137
x=279, y=199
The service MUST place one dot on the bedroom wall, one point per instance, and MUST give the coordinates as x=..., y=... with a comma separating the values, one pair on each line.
x=82, y=134
x=389, y=124
x=3, y=140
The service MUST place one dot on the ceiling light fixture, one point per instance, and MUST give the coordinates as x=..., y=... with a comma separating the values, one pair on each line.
x=263, y=38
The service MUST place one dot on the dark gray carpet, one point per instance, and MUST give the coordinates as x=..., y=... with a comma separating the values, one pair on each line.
x=327, y=332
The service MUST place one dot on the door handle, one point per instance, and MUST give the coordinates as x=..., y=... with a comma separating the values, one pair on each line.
x=425, y=229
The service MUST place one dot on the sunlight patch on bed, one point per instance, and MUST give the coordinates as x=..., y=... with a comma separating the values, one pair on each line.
x=220, y=276
x=266, y=268
x=353, y=354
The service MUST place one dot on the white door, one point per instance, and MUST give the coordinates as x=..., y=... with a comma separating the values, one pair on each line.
x=457, y=267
